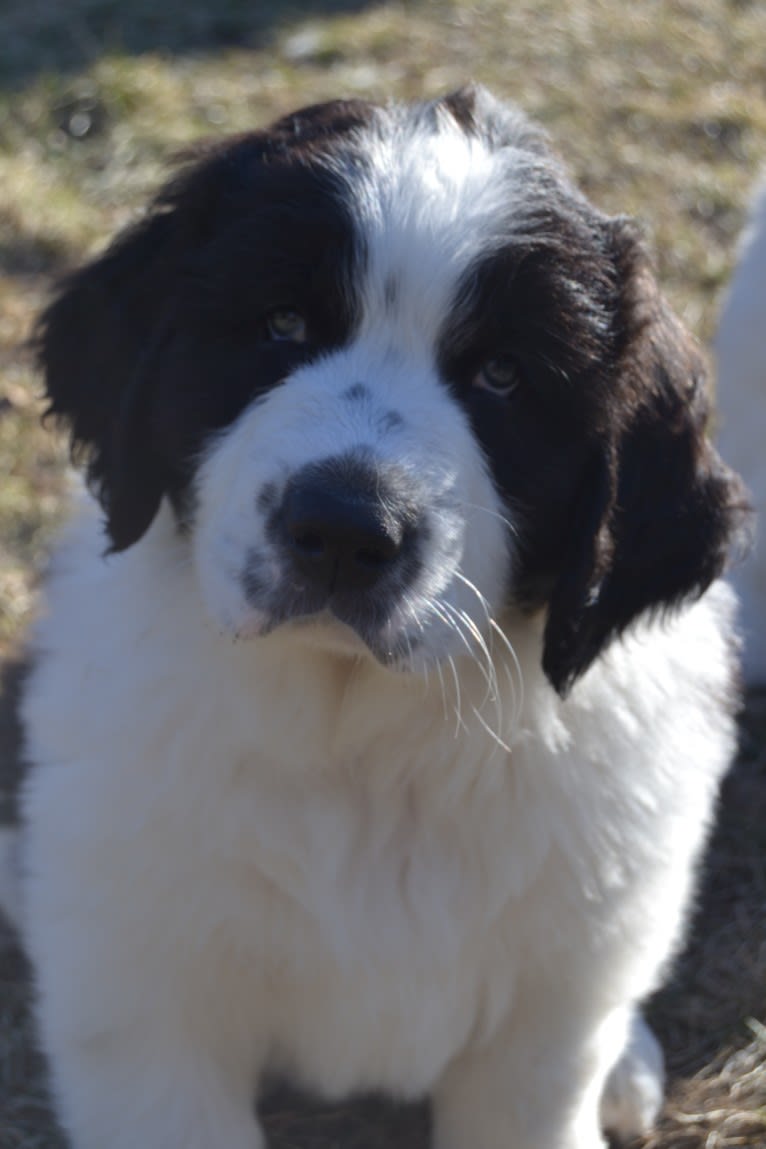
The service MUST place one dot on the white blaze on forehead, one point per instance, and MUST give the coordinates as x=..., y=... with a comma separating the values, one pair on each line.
x=429, y=201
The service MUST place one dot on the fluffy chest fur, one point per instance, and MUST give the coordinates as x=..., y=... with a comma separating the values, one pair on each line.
x=343, y=872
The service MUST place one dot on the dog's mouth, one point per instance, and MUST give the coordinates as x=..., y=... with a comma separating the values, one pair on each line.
x=343, y=552
x=340, y=627
x=327, y=630
x=356, y=556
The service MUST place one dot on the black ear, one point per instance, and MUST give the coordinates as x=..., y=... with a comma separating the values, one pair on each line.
x=659, y=512
x=96, y=338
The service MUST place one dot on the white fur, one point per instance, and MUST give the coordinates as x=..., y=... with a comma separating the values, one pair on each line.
x=741, y=352
x=266, y=853
x=278, y=853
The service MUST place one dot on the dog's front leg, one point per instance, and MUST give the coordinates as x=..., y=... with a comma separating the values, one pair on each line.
x=147, y=1053
x=537, y=1083
x=138, y=1088
x=126, y=1091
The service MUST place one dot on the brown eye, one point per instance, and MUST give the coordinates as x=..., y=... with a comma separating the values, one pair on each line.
x=499, y=375
x=286, y=325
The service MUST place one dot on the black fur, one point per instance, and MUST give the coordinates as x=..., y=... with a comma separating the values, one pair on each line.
x=601, y=452
x=160, y=342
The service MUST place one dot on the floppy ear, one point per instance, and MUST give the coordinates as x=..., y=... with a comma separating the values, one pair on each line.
x=95, y=340
x=658, y=512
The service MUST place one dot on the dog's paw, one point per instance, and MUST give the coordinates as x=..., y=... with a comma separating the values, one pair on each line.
x=634, y=1091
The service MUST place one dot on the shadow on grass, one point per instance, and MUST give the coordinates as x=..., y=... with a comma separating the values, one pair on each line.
x=718, y=984
x=50, y=37
x=25, y=256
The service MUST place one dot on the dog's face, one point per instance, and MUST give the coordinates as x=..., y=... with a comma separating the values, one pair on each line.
x=395, y=375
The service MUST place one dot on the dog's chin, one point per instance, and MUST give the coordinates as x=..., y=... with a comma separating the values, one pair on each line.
x=325, y=630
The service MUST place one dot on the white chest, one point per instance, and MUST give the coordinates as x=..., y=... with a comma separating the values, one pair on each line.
x=383, y=924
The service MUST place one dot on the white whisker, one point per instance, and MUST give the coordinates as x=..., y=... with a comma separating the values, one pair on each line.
x=492, y=733
x=444, y=688
x=488, y=674
x=458, y=699
x=437, y=609
x=475, y=590
x=513, y=529
x=498, y=631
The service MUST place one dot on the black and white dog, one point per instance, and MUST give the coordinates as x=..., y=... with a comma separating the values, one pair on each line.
x=366, y=744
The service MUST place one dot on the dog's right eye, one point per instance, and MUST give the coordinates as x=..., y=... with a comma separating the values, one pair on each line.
x=498, y=375
x=286, y=325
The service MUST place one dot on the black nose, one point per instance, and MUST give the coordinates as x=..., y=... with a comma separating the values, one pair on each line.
x=342, y=531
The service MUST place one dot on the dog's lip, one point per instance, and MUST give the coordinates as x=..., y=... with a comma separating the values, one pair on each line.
x=324, y=627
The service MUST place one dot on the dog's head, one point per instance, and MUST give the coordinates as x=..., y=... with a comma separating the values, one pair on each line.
x=389, y=368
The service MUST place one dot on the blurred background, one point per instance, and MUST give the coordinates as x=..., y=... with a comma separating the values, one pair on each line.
x=659, y=106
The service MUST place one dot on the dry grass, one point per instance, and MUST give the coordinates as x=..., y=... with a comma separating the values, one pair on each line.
x=660, y=106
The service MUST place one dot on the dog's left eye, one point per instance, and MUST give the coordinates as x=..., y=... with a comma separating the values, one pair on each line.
x=499, y=375
x=286, y=325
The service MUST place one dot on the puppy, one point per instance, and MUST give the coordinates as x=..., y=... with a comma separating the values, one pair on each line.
x=741, y=399
x=385, y=686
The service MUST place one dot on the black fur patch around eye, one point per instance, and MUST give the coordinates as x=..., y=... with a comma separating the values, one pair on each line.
x=161, y=342
x=621, y=503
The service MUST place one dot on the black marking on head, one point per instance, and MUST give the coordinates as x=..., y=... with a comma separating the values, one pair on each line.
x=184, y=501
x=500, y=125
x=254, y=579
x=356, y=393
x=391, y=421
x=390, y=292
x=267, y=498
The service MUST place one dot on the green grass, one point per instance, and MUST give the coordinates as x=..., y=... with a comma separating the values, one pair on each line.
x=660, y=108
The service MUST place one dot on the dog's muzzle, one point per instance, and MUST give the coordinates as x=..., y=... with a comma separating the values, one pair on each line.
x=342, y=537
x=348, y=533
